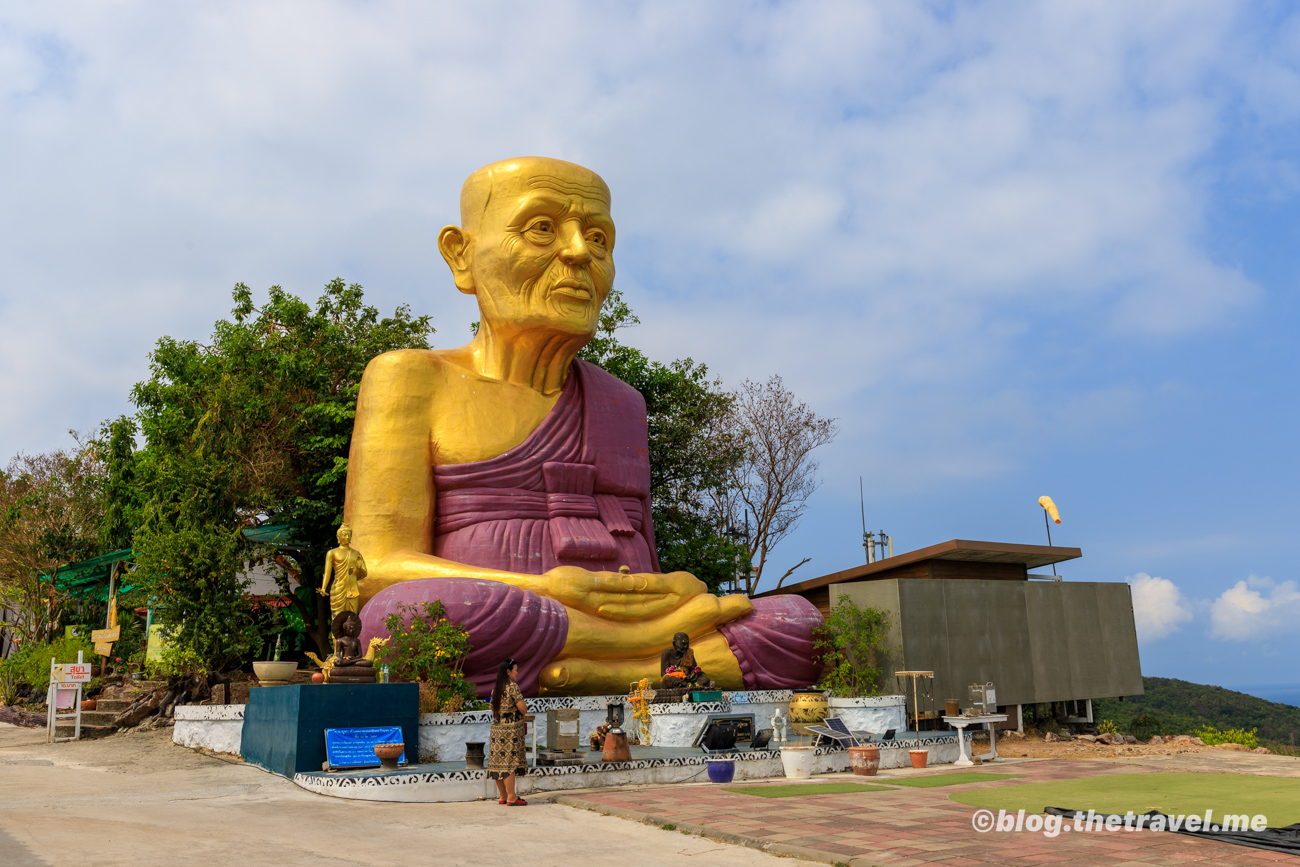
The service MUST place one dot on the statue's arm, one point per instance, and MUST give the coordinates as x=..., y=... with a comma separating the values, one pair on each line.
x=390, y=494
x=329, y=575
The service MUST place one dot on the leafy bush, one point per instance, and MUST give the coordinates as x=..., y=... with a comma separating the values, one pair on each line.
x=1106, y=727
x=31, y=664
x=850, y=645
x=1212, y=736
x=8, y=685
x=431, y=649
x=1145, y=726
x=176, y=660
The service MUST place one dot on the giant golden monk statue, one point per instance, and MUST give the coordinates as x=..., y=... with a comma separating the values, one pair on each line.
x=511, y=481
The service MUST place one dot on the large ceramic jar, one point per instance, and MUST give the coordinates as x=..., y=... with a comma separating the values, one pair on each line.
x=807, y=707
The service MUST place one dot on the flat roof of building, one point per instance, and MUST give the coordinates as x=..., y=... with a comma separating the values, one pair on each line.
x=1030, y=556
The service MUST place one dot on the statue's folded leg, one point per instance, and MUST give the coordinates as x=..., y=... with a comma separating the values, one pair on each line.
x=774, y=644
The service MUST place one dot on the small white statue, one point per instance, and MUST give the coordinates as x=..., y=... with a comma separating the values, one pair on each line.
x=778, y=725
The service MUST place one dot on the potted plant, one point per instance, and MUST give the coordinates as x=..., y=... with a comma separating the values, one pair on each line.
x=851, y=646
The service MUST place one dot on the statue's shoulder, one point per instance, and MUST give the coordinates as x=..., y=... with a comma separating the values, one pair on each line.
x=399, y=362
x=403, y=371
x=599, y=381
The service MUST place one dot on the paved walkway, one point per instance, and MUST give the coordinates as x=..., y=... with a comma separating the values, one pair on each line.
x=137, y=800
x=913, y=826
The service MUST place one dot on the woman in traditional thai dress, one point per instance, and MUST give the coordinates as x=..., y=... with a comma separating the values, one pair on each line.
x=506, y=754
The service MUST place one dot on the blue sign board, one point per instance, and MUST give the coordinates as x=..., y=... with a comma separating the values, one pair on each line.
x=355, y=748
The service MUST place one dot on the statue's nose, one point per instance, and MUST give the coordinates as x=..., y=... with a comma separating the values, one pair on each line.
x=575, y=250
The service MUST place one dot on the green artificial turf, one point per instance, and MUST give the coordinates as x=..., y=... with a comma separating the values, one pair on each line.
x=805, y=790
x=959, y=779
x=1278, y=798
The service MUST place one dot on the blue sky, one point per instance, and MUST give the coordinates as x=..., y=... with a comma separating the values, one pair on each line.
x=1016, y=249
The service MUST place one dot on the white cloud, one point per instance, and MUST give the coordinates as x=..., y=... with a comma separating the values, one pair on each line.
x=896, y=194
x=1159, y=607
x=1256, y=609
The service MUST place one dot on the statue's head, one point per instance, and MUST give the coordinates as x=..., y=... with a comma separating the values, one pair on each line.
x=344, y=534
x=346, y=623
x=681, y=642
x=535, y=245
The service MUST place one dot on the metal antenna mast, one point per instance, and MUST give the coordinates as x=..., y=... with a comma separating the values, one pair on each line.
x=866, y=537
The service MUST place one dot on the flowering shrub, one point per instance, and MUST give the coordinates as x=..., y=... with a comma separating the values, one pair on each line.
x=431, y=649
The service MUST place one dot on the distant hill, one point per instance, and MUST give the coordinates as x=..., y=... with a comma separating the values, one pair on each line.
x=1183, y=707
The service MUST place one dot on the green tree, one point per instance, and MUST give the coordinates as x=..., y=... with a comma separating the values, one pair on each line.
x=121, y=497
x=249, y=430
x=692, y=450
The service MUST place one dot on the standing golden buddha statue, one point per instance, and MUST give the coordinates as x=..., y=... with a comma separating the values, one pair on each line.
x=344, y=567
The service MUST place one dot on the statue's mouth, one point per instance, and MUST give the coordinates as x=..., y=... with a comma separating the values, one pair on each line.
x=571, y=288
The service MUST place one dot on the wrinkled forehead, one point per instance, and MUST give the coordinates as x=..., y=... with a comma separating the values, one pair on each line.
x=499, y=187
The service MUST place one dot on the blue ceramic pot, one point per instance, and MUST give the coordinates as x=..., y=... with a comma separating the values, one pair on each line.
x=722, y=770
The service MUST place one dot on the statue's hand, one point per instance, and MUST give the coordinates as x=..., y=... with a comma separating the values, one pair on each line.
x=620, y=596
x=322, y=592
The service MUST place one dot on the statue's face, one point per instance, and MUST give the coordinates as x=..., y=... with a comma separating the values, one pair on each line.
x=344, y=536
x=540, y=254
x=681, y=641
x=352, y=627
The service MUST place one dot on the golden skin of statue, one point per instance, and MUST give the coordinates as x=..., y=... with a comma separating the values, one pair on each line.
x=344, y=568
x=536, y=250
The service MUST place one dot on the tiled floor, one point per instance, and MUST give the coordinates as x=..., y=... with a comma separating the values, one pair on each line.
x=914, y=826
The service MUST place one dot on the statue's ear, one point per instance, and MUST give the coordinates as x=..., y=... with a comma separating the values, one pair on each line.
x=454, y=245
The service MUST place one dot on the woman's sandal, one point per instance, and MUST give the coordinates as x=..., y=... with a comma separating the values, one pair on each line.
x=501, y=800
x=518, y=803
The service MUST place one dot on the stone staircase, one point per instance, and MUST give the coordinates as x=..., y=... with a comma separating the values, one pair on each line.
x=98, y=723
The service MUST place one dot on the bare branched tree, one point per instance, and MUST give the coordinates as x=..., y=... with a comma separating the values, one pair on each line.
x=49, y=516
x=778, y=474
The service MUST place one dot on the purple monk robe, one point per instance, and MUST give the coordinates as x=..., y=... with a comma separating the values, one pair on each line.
x=575, y=492
x=503, y=621
x=774, y=643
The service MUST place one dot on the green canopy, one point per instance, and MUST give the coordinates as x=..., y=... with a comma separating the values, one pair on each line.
x=90, y=578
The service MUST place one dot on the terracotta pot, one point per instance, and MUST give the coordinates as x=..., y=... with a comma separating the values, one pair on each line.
x=865, y=760
x=388, y=754
x=89, y=704
x=919, y=757
x=318, y=677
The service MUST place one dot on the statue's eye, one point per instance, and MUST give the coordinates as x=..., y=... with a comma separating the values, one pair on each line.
x=597, y=238
x=542, y=231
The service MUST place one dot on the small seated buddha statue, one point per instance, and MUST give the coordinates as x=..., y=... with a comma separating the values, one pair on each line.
x=349, y=665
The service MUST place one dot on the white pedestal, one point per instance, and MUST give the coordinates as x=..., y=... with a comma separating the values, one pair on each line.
x=960, y=723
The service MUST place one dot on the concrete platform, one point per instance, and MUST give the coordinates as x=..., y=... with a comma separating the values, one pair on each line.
x=451, y=781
